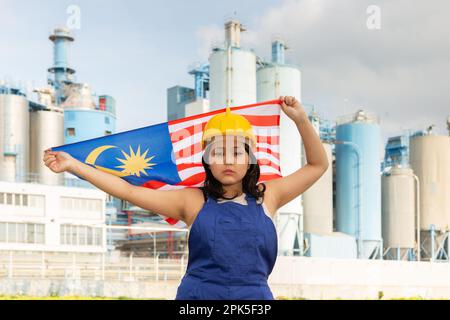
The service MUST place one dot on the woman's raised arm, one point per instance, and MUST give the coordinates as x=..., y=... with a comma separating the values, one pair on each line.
x=282, y=190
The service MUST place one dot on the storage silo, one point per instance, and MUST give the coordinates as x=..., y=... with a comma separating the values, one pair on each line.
x=399, y=213
x=46, y=131
x=318, y=200
x=15, y=129
x=430, y=159
x=358, y=182
x=275, y=80
x=232, y=71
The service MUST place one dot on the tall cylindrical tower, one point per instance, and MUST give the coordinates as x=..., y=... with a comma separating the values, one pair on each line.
x=399, y=212
x=358, y=182
x=15, y=127
x=275, y=80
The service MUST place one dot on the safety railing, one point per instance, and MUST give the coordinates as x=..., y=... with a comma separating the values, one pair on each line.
x=16, y=265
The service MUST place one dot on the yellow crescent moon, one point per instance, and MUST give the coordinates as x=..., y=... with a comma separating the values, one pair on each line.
x=94, y=154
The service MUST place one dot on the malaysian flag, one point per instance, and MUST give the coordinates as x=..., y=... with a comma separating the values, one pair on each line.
x=169, y=155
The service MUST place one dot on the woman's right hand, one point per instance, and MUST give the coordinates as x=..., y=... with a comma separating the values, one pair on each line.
x=58, y=161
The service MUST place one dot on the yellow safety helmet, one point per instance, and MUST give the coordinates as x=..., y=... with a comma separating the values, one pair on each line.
x=228, y=123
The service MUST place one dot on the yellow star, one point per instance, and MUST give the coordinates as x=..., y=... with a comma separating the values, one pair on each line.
x=135, y=163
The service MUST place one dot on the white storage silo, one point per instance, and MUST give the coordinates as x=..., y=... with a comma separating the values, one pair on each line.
x=430, y=158
x=15, y=130
x=46, y=131
x=318, y=200
x=399, y=218
x=275, y=80
x=232, y=72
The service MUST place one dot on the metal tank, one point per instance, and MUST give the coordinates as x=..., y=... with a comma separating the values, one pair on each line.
x=318, y=200
x=274, y=80
x=232, y=71
x=46, y=131
x=399, y=214
x=430, y=160
x=358, y=182
x=15, y=131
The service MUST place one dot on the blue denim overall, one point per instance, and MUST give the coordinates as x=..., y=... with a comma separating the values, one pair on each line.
x=232, y=250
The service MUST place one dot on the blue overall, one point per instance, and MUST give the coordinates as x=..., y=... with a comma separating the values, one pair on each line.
x=232, y=251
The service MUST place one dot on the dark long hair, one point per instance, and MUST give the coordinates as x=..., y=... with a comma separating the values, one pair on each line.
x=213, y=187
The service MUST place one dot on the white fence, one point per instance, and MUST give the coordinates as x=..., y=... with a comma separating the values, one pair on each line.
x=19, y=265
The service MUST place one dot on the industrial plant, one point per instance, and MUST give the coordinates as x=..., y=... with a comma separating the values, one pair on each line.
x=365, y=206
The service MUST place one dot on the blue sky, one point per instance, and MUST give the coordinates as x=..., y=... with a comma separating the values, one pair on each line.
x=135, y=50
x=132, y=50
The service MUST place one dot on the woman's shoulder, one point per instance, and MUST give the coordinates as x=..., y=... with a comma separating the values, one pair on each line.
x=194, y=192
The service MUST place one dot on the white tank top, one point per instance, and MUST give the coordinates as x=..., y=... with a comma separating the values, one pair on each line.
x=241, y=199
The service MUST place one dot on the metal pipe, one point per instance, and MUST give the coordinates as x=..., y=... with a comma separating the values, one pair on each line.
x=131, y=266
x=432, y=242
x=448, y=247
x=228, y=100
x=103, y=266
x=418, y=214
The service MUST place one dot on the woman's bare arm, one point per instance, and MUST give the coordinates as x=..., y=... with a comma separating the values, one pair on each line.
x=170, y=203
x=282, y=190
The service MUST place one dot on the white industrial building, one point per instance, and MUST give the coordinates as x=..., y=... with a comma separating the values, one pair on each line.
x=36, y=217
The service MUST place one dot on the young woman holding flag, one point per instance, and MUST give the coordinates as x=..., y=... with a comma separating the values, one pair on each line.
x=232, y=239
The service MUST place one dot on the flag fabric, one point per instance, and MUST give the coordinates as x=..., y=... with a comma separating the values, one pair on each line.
x=168, y=155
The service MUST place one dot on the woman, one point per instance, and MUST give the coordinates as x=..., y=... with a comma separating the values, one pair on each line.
x=232, y=239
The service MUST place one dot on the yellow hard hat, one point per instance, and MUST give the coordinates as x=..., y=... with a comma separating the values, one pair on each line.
x=227, y=123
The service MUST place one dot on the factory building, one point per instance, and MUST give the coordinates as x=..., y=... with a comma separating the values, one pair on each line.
x=362, y=207
x=41, y=210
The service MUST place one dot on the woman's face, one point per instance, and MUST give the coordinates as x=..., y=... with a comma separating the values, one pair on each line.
x=228, y=159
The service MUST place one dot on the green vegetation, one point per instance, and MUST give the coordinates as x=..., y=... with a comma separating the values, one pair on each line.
x=56, y=297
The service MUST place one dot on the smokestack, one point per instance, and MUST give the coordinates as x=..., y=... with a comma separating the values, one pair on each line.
x=61, y=38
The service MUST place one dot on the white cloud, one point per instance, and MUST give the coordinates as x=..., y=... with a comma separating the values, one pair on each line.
x=207, y=37
x=401, y=72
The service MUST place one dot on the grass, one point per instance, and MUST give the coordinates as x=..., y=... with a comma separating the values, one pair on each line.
x=25, y=297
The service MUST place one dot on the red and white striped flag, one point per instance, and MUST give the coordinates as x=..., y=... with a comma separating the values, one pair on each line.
x=186, y=134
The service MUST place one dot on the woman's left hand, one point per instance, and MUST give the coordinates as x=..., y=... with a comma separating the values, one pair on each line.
x=292, y=108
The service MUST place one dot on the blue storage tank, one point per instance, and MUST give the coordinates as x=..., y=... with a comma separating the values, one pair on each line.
x=84, y=117
x=358, y=182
